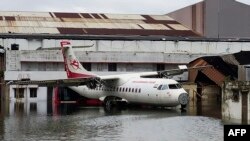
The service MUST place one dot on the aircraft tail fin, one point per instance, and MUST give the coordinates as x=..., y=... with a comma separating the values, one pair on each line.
x=72, y=65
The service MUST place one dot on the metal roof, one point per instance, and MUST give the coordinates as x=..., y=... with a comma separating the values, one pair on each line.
x=223, y=66
x=91, y=24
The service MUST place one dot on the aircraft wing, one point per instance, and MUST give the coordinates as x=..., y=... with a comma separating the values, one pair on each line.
x=154, y=74
x=171, y=72
x=108, y=78
x=56, y=82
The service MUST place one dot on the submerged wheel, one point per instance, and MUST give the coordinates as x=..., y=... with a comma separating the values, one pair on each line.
x=108, y=102
x=112, y=102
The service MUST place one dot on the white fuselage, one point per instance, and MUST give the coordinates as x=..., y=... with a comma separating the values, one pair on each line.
x=153, y=91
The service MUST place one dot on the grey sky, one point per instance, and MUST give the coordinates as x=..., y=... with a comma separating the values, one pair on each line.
x=97, y=6
x=244, y=1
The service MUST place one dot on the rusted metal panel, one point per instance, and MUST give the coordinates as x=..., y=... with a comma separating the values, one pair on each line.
x=148, y=18
x=96, y=16
x=124, y=16
x=178, y=27
x=51, y=14
x=212, y=73
x=82, y=23
x=71, y=30
x=104, y=16
x=154, y=26
x=160, y=22
x=66, y=15
x=138, y=32
x=10, y=18
x=86, y=15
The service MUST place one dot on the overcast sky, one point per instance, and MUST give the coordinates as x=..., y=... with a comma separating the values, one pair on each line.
x=97, y=6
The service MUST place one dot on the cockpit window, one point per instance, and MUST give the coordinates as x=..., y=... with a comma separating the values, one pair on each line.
x=159, y=88
x=174, y=86
x=164, y=87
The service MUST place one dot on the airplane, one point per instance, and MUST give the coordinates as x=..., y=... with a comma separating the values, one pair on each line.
x=138, y=88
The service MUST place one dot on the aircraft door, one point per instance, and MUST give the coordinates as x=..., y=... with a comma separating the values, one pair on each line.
x=163, y=95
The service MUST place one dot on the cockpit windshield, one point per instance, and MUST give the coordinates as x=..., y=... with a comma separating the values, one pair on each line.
x=163, y=87
x=169, y=86
x=174, y=86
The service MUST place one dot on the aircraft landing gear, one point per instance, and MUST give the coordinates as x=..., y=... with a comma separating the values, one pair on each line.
x=113, y=104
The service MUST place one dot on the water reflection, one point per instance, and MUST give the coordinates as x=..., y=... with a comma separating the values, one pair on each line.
x=41, y=121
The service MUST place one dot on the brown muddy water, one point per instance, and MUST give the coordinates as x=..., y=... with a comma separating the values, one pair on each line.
x=40, y=121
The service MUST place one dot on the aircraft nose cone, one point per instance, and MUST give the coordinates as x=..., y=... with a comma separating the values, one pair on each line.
x=183, y=99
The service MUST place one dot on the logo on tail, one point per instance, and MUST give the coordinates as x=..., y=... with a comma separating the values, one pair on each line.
x=74, y=64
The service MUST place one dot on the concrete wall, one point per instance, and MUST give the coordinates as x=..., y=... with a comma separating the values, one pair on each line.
x=183, y=47
x=236, y=102
x=41, y=94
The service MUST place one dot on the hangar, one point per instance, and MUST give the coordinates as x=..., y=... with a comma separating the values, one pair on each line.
x=111, y=43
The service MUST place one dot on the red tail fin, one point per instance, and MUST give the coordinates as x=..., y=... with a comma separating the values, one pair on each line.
x=73, y=67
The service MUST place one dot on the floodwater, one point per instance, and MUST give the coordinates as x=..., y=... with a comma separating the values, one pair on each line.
x=40, y=121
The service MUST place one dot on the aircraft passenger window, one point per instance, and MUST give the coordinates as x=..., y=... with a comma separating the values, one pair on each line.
x=129, y=89
x=164, y=87
x=136, y=90
x=139, y=91
x=132, y=90
x=120, y=89
x=126, y=89
x=159, y=88
x=123, y=89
